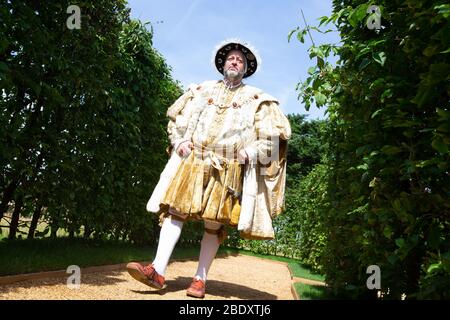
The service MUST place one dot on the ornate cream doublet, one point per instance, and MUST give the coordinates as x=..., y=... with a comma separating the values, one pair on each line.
x=210, y=183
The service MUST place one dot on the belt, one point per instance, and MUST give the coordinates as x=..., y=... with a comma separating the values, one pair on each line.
x=211, y=156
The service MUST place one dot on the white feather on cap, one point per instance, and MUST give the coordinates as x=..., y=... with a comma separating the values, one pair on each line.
x=245, y=44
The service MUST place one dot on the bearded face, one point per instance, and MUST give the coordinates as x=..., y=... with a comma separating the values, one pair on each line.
x=235, y=65
x=233, y=74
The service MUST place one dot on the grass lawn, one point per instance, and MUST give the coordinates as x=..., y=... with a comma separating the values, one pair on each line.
x=301, y=271
x=276, y=258
x=27, y=256
x=309, y=292
x=306, y=291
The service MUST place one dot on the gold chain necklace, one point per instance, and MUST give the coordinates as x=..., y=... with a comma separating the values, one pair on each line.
x=225, y=97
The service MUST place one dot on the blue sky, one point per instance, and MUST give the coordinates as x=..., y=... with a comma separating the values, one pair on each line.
x=186, y=32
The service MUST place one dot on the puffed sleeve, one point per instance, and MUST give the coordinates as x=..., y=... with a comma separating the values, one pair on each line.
x=271, y=125
x=178, y=115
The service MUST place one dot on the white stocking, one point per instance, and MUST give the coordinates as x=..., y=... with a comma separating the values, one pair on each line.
x=168, y=238
x=208, y=250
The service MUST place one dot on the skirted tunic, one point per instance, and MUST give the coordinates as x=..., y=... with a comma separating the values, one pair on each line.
x=209, y=182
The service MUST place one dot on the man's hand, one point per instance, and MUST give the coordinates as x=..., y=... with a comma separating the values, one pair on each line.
x=185, y=148
x=242, y=156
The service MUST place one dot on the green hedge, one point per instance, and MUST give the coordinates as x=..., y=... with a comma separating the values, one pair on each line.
x=82, y=118
x=389, y=185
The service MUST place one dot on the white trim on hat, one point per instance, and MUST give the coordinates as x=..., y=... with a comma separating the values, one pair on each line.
x=241, y=42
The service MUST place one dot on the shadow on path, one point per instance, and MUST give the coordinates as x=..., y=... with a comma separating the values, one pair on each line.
x=213, y=288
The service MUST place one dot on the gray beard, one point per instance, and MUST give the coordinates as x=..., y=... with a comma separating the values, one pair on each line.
x=233, y=75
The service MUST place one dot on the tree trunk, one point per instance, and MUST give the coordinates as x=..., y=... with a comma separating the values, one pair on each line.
x=87, y=232
x=8, y=194
x=34, y=221
x=54, y=229
x=15, y=218
x=413, y=266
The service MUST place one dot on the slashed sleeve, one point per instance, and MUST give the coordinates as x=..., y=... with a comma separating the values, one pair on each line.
x=271, y=125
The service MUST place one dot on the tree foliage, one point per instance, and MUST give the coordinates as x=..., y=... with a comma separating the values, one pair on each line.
x=306, y=148
x=389, y=185
x=82, y=117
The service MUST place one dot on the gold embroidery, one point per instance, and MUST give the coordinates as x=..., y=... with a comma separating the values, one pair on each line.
x=222, y=97
x=216, y=127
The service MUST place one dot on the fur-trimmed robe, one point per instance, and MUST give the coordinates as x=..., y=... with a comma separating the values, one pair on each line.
x=259, y=126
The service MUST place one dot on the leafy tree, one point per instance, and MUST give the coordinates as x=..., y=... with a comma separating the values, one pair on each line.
x=388, y=105
x=306, y=208
x=82, y=116
x=306, y=148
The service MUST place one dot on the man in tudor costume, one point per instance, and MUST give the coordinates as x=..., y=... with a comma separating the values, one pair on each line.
x=227, y=165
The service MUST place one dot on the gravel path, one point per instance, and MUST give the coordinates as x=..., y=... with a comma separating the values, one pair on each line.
x=232, y=277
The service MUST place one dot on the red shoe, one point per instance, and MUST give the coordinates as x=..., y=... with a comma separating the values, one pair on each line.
x=197, y=289
x=147, y=275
